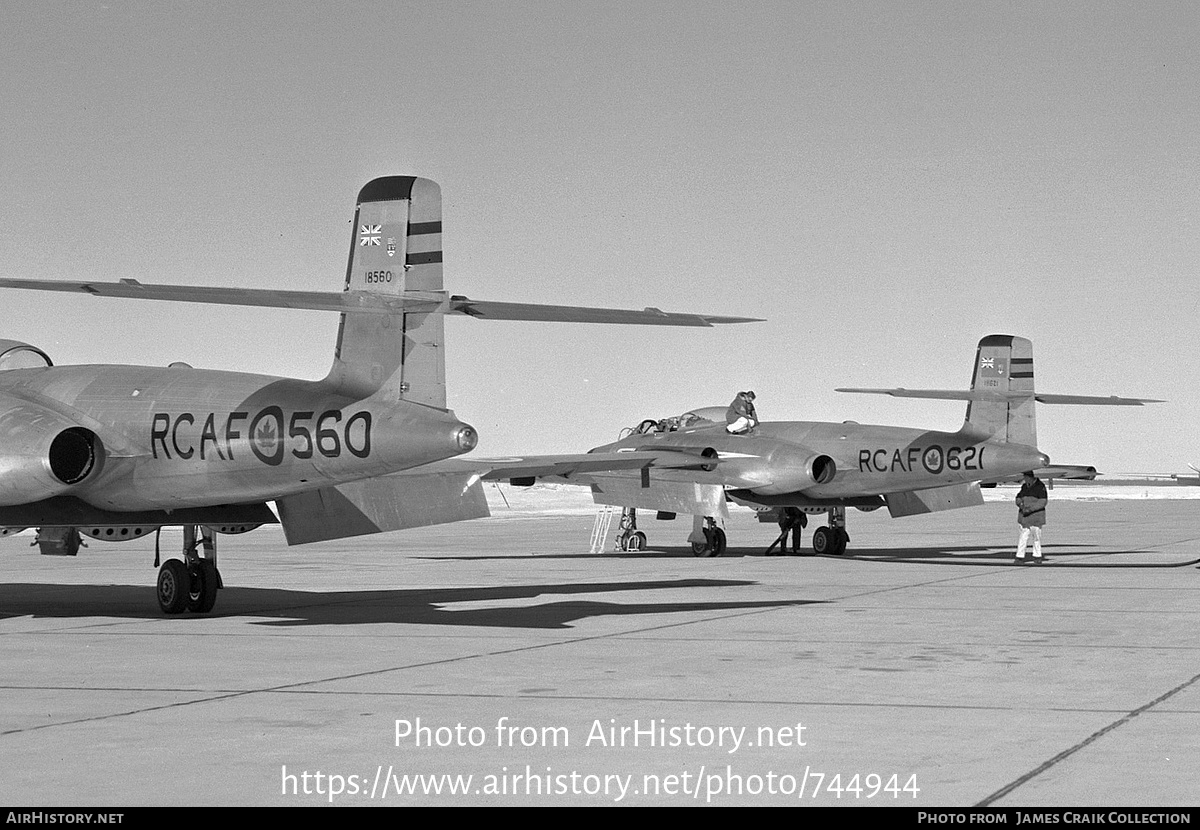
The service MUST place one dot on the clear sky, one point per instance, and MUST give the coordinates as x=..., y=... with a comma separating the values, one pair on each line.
x=885, y=182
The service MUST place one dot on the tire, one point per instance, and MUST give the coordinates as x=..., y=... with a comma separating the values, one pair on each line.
x=636, y=541
x=202, y=591
x=714, y=543
x=841, y=539
x=823, y=541
x=173, y=586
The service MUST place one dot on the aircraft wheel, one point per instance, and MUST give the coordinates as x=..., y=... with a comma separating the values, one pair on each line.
x=713, y=544
x=636, y=541
x=822, y=541
x=841, y=538
x=202, y=591
x=173, y=587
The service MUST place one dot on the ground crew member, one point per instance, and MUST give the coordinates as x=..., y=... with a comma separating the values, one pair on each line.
x=1031, y=515
x=791, y=519
x=741, y=417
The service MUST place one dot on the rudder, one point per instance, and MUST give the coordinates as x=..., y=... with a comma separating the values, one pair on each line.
x=1003, y=364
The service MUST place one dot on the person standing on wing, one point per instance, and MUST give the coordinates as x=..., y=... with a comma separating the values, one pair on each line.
x=741, y=418
x=1031, y=515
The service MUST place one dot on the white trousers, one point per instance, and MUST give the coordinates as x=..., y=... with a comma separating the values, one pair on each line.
x=740, y=425
x=1023, y=539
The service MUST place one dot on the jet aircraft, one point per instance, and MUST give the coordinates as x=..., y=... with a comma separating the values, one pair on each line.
x=829, y=467
x=117, y=452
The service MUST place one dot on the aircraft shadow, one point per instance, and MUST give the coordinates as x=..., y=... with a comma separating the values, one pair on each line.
x=984, y=557
x=973, y=556
x=421, y=606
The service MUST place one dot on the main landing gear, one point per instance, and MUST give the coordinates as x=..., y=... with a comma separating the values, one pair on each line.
x=832, y=540
x=191, y=584
x=707, y=538
x=630, y=538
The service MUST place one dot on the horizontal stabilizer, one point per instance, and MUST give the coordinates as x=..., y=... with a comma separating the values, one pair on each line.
x=375, y=505
x=369, y=302
x=1093, y=400
x=486, y=310
x=995, y=396
x=934, y=500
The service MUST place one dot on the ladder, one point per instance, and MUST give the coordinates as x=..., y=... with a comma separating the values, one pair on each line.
x=600, y=528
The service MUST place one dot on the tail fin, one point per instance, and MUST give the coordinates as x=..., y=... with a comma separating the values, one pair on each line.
x=396, y=246
x=1004, y=363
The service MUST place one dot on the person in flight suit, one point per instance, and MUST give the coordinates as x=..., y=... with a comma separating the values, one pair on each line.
x=741, y=418
x=1031, y=515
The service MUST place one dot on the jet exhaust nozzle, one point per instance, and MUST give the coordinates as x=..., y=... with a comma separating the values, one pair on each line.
x=44, y=454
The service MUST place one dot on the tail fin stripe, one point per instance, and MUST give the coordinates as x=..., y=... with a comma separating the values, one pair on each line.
x=421, y=228
x=423, y=259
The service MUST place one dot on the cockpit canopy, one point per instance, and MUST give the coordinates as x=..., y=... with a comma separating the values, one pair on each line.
x=691, y=419
x=17, y=355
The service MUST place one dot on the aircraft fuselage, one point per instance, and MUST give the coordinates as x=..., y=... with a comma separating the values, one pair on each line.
x=838, y=460
x=183, y=437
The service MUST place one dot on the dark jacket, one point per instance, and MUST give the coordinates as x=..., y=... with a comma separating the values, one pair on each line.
x=1031, y=504
x=741, y=407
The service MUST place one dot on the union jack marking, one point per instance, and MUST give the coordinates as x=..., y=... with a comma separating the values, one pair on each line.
x=992, y=366
x=369, y=234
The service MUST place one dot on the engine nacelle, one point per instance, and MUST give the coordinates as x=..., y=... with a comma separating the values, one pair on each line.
x=44, y=454
x=792, y=472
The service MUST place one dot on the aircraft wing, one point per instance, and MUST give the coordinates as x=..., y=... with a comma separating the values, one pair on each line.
x=564, y=466
x=362, y=302
x=993, y=395
x=1072, y=472
x=444, y=491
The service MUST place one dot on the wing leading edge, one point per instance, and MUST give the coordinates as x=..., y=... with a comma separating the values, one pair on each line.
x=560, y=466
